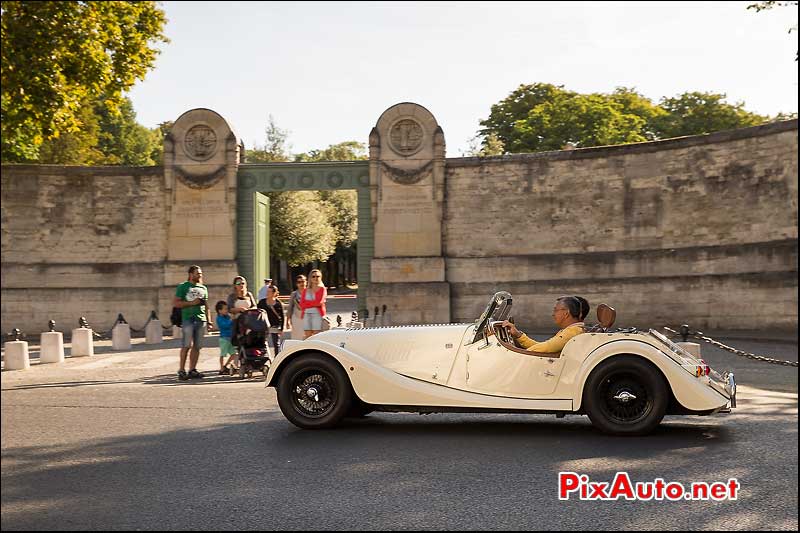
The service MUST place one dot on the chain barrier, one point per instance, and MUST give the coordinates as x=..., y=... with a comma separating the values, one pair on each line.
x=16, y=334
x=703, y=337
x=106, y=334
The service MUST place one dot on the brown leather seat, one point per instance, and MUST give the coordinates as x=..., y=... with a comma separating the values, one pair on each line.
x=606, y=315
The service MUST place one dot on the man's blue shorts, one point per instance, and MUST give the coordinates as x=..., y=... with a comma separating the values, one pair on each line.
x=193, y=332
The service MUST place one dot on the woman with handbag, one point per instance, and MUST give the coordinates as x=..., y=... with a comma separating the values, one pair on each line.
x=274, y=309
x=294, y=319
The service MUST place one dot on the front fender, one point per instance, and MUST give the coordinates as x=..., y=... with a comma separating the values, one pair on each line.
x=691, y=392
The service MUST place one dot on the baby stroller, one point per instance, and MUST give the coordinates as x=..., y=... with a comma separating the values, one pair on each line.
x=250, y=337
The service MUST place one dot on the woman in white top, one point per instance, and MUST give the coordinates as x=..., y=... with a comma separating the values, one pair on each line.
x=293, y=320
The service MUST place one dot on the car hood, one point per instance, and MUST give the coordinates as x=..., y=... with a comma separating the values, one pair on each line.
x=415, y=351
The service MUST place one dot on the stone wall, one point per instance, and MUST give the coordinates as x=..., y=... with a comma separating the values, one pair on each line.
x=698, y=229
x=88, y=241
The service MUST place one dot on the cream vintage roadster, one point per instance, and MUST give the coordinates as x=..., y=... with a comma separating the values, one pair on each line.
x=624, y=380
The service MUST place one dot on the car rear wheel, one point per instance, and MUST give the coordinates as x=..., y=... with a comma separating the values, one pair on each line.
x=314, y=392
x=626, y=396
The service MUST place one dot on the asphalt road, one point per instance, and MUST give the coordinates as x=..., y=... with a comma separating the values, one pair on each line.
x=115, y=442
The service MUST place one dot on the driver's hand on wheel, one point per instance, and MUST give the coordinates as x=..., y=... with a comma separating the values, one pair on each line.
x=512, y=329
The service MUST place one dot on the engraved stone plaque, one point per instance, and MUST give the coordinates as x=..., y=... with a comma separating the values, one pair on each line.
x=200, y=142
x=405, y=137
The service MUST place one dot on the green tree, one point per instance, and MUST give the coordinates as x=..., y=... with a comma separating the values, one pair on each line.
x=275, y=147
x=123, y=141
x=299, y=227
x=75, y=148
x=345, y=151
x=105, y=137
x=542, y=117
x=695, y=113
x=484, y=146
x=557, y=117
x=56, y=56
x=341, y=206
x=504, y=114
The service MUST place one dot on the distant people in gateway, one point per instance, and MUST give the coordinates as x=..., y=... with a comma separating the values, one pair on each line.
x=262, y=292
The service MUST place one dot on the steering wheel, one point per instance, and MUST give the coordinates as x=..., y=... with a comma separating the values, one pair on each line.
x=501, y=332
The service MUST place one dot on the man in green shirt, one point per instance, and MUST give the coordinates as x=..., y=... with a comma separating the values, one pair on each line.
x=191, y=297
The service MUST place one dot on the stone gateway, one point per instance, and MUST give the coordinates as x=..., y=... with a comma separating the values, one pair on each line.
x=699, y=230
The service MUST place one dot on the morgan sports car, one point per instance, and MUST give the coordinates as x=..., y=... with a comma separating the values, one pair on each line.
x=625, y=380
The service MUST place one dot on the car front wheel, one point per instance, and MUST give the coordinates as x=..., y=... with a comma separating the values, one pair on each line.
x=626, y=396
x=314, y=392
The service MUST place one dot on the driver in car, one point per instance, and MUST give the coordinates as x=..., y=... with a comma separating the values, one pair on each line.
x=568, y=314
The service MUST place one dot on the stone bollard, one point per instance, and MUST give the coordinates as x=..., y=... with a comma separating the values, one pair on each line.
x=121, y=336
x=52, y=347
x=691, y=347
x=16, y=357
x=82, y=342
x=154, y=333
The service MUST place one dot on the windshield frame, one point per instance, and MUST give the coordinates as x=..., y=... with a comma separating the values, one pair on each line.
x=499, y=305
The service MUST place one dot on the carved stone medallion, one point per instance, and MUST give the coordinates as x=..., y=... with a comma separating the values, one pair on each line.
x=200, y=142
x=405, y=137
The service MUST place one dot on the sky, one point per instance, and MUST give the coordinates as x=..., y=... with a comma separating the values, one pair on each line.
x=326, y=71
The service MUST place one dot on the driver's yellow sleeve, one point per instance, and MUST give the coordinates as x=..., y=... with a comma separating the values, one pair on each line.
x=552, y=345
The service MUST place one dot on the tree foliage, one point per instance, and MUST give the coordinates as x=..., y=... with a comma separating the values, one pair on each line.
x=345, y=151
x=106, y=137
x=307, y=226
x=275, y=148
x=695, y=113
x=543, y=116
x=299, y=227
x=57, y=56
x=341, y=206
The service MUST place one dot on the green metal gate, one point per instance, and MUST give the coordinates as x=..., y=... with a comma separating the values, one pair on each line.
x=254, y=179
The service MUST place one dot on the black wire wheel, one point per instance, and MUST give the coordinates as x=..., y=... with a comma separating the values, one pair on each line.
x=626, y=395
x=314, y=392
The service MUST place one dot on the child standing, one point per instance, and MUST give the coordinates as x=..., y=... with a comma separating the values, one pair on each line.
x=225, y=327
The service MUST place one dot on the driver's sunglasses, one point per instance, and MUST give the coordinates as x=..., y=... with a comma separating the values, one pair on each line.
x=239, y=283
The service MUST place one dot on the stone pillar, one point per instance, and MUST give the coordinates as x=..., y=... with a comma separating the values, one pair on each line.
x=121, y=337
x=407, y=183
x=154, y=332
x=16, y=357
x=52, y=344
x=201, y=161
x=82, y=342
